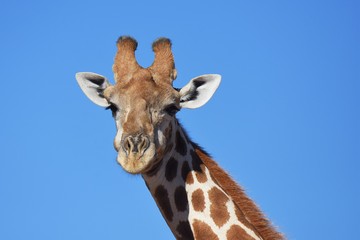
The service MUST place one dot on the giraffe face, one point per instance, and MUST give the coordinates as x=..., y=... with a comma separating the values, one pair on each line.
x=144, y=103
x=143, y=111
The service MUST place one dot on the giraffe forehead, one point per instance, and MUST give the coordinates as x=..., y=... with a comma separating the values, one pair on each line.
x=144, y=91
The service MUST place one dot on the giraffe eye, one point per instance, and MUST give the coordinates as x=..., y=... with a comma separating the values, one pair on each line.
x=171, y=109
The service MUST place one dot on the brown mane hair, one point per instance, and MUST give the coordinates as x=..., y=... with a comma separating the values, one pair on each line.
x=237, y=194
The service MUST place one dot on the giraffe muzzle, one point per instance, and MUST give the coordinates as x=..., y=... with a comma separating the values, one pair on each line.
x=135, y=144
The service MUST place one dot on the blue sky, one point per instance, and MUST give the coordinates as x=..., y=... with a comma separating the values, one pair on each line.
x=285, y=122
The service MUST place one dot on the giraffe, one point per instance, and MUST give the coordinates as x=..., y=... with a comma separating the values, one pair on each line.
x=196, y=197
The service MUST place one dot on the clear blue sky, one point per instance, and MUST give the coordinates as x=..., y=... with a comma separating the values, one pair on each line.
x=285, y=122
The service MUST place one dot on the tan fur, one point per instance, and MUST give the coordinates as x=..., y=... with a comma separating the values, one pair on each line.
x=249, y=208
x=125, y=63
x=163, y=68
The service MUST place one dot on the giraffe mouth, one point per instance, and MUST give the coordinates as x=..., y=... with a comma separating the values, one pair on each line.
x=136, y=163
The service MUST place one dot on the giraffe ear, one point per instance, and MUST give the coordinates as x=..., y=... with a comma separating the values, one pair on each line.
x=199, y=90
x=93, y=85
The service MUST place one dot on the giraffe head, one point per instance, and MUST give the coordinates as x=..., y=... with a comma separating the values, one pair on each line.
x=144, y=102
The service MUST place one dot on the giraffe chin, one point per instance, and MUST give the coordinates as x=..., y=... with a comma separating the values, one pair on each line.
x=135, y=163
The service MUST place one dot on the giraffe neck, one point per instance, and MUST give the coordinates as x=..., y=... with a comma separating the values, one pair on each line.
x=191, y=198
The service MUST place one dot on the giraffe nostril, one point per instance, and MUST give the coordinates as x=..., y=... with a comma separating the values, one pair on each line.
x=137, y=144
x=128, y=145
x=144, y=144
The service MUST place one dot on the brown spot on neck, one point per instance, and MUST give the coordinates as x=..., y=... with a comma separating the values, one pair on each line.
x=237, y=233
x=162, y=199
x=202, y=231
x=218, y=209
x=198, y=200
x=181, y=200
x=171, y=169
x=184, y=230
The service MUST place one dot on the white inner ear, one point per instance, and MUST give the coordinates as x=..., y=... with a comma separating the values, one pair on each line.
x=199, y=90
x=93, y=85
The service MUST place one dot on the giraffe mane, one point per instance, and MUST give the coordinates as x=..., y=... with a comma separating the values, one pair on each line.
x=237, y=194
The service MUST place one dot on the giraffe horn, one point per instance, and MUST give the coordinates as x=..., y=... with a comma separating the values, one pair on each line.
x=125, y=63
x=163, y=67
